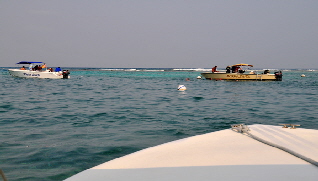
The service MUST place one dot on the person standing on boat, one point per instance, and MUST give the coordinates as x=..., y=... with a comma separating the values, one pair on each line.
x=233, y=69
x=228, y=69
x=237, y=69
x=22, y=68
x=39, y=68
x=44, y=66
x=214, y=69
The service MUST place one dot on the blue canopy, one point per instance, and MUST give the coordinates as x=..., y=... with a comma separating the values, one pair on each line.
x=24, y=62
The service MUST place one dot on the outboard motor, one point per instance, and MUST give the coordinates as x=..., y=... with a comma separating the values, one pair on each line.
x=65, y=74
x=279, y=75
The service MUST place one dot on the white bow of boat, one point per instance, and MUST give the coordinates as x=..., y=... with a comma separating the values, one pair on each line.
x=220, y=155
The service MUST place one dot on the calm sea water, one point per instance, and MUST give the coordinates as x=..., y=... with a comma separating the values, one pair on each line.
x=53, y=129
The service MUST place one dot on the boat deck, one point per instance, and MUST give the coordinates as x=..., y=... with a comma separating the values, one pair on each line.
x=221, y=155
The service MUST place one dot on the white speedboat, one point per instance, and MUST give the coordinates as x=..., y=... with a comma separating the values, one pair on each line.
x=256, y=152
x=235, y=72
x=38, y=70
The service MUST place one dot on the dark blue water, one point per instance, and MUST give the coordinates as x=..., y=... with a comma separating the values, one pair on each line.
x=53, y=129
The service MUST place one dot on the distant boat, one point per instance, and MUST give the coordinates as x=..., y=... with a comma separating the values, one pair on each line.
x=235, y=72
x=38, y=71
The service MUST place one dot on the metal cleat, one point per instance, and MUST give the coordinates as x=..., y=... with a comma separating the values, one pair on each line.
x=285, y=125
x=293, y=126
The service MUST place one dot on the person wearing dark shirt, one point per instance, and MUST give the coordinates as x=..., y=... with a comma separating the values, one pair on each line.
x=233, y=69
x=266, y=72
x=228, y=69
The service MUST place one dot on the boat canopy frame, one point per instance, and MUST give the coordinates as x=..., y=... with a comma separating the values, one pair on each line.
x=242, y=64
x=25, y=62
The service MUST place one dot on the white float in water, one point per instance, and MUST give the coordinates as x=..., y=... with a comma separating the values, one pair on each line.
x=198, y=77
x=182, y=88
x=303, y=75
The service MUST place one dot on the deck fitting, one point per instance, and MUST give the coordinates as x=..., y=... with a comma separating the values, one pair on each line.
x=292, y=125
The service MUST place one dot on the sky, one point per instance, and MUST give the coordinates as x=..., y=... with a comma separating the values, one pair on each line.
x=160, y=33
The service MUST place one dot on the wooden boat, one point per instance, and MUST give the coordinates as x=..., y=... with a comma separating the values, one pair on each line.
x=237, y=73
x=243, y=153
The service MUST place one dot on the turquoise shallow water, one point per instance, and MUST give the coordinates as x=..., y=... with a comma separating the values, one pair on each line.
x=53, y=129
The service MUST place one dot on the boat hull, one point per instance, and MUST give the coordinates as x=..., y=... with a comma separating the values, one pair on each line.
x=36, y=74
x=240, y=76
